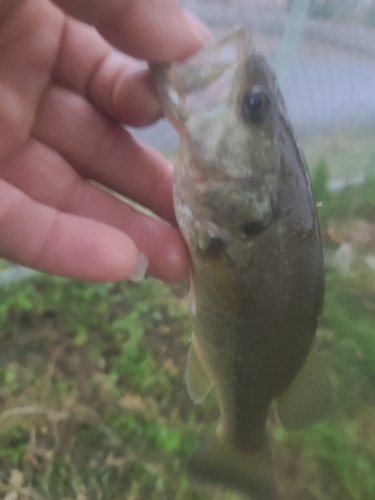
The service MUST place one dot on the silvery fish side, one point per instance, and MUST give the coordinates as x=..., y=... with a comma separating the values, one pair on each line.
x=244, y=204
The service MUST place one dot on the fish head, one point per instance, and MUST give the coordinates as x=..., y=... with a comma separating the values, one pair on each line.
x=226, y=105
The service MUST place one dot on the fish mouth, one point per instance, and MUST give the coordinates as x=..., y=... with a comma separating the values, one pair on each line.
x=202, y=83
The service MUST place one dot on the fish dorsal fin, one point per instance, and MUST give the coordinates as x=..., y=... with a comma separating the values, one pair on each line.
x=308, y=399
x=198, y=382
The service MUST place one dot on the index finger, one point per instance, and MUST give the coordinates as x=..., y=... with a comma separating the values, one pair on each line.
x=152, y=30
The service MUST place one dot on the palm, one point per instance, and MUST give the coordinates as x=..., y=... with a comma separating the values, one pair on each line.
x=63, y=95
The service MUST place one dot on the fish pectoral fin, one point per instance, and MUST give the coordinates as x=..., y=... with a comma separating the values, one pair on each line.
x=308, y=399
x=198, y=381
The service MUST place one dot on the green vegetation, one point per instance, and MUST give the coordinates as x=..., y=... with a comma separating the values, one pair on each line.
x=93, y=403
x=92, y=395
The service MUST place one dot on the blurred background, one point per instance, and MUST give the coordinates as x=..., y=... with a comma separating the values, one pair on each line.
x=93, y=404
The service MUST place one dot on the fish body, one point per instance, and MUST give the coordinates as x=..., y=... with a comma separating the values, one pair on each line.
x=244, y=204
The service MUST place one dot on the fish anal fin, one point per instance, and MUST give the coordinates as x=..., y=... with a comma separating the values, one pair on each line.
x=249, y=472
x=308, y=399
x=198, y=381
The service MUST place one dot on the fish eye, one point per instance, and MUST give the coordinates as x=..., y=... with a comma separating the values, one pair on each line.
x=256, y=105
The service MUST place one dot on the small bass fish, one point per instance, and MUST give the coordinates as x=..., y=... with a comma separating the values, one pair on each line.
x=244, y=204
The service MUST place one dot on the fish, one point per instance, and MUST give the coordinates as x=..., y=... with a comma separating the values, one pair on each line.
x=244, y=203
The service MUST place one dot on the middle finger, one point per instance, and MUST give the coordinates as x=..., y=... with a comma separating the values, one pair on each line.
x=103, y=151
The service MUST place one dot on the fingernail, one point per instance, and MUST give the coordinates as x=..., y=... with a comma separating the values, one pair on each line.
x=200, y=29
x=140, y=269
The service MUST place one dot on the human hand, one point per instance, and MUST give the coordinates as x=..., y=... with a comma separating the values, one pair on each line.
x=64, y=93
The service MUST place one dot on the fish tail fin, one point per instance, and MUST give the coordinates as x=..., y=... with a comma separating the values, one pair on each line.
x=223, y=464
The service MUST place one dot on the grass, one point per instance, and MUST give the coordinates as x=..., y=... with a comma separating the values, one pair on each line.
x=93, y=404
